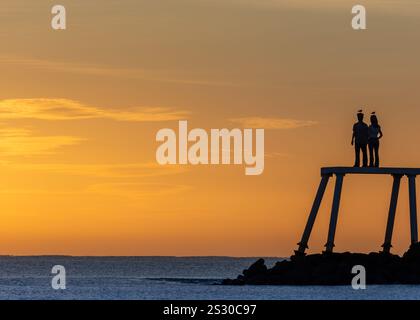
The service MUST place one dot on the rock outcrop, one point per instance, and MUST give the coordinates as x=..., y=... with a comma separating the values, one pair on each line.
x=335, y=269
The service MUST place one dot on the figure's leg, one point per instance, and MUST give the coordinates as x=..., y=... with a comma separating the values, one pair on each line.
x=364, y=151
x=377, y=154
x=370, y=154
x=357, y=155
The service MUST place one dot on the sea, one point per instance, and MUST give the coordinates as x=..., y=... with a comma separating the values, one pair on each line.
x=162, y=278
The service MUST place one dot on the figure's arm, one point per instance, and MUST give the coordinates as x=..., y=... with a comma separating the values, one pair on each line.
x=352, y=139
x=380, y=133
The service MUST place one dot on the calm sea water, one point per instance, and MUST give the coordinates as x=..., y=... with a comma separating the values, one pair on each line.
x=161, y=278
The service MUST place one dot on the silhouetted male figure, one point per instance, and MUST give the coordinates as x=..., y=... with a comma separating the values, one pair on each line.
x=360, y=139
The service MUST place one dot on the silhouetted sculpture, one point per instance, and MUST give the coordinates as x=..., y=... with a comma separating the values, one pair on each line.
x=340, y=172
x=375, y=133
x=330, y=268
x=360, y=139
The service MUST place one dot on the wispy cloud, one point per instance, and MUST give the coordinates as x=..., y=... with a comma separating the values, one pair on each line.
x=124, y=170
x=134, y=191
x=65, y=109
x=23, y=142
x=276, y=155
x=395, y=8
x=125, y=188
x=110, y=71
x=137, y=190
x=303, y=4
x=272, y=123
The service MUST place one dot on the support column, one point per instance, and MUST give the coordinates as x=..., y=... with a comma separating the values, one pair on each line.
x=413, y=208
x=334, y=212
x=303, y=244
x=391, y=214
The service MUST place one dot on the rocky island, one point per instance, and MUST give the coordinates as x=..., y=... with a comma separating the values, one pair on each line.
x=335, y=269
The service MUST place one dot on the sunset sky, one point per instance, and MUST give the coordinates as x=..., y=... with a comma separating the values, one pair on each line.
x=80, y=108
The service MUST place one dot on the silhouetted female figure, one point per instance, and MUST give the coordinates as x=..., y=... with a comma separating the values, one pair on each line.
x=375, y=133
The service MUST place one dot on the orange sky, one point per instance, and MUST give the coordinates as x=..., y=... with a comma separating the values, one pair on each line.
x=79, y=110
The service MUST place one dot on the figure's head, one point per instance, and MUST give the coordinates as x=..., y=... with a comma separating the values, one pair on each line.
x=373, y=119
x=360, y=115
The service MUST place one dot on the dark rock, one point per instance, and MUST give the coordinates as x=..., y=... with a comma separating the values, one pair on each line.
x=335, y=269
x=256, y=269
x=413, y=253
